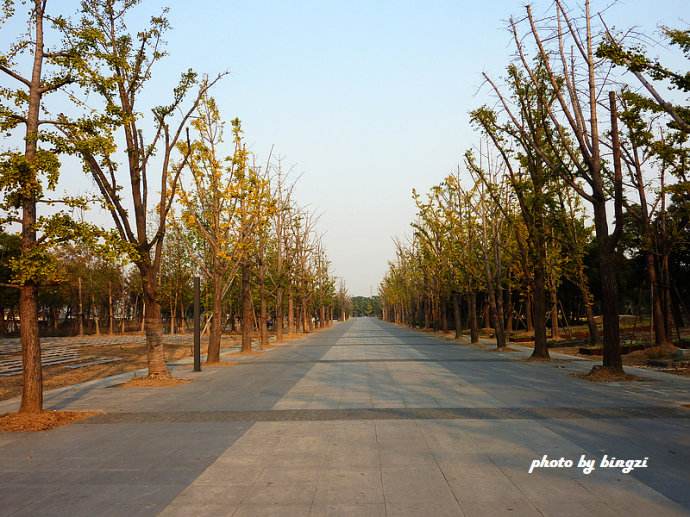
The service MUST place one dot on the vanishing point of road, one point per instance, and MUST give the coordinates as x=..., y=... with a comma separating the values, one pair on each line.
x=366, y=418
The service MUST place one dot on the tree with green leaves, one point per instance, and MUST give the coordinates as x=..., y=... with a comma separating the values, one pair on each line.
x=26, y=175
x=116, y=67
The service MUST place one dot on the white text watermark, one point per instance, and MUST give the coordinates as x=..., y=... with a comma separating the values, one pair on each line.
x=587, y=465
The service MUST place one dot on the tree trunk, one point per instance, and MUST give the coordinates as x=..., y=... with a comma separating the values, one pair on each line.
x=609, y=291
x=496, y=310
x=555, y=333
x=538, y=306
x=263, y=314
x=96, y=315
x=305, y=317
x=444, y=315
x=666, y=294
x=279, y=315
x=182, y=321
x=32, y=374
x=32, y=392
x=457, y=316
x=660, y=336
x=291, y=313
x=213, y=353
x=124, y=316
x=111, y=323
x=153, y=326
x=80, y=322
x=589, y=312
x=247, y=310
x=171, y=321
x=472, y=309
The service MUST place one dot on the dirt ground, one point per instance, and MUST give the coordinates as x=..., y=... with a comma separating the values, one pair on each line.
x=638, y=358
x=31, y=422
x=133, y=357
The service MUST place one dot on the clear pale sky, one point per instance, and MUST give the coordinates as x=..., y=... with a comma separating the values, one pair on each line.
x=366, y=99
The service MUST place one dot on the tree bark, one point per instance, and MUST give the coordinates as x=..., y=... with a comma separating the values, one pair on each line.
x=472, y=309
x=305, y=317
x=555, y=333
x=457, y=316
x=593, y=338
x=279, y=314
x=111, y=323
x=96, y=315
x=153, y=326
x=538, y=306
x=529, y=311
x=609, y=292
x=246, y=309
x=291, y=313
x=32, y=374
x=444, y=315
x=213, y=353
x=660, y=336
x=263, y=314
x=80, y=322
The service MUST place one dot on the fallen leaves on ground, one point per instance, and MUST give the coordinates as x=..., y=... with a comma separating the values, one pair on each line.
x=43, y=421
x=219, y=364
x=154, y=382
x=601, y=374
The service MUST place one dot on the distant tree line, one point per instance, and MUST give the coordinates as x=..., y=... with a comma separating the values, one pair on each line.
x=366, y=306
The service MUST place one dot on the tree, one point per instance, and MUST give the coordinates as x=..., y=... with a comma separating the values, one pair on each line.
x=116, y=65
x=657, y=132
x=580, y=139
x=213, y=206
x=26, y=175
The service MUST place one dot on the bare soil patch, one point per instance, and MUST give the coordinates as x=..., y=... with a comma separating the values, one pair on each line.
x=32, y=422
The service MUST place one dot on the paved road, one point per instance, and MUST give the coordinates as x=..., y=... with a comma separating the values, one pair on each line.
x=362, y=419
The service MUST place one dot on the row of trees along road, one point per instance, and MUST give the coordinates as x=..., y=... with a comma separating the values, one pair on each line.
x=182, y=200
x=584, y=127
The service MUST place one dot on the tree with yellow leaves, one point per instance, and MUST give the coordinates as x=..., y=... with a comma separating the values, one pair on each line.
x=223, y=204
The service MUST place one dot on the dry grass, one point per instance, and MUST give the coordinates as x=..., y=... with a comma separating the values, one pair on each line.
x=536, y=359
x=248, y=353
x=32, y=422
x=133, y=357
x=154, y=382
x=219, y=364
x=655, y=352
x=601, y=374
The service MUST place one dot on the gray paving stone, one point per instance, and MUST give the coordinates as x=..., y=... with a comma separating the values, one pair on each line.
x=366, y=418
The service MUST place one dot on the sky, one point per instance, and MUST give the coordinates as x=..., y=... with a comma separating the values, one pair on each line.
x=364, y=99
